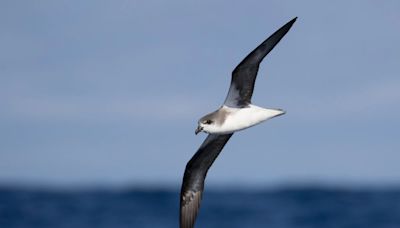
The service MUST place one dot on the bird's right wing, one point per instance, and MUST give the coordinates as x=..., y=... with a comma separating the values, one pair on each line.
x=195, y=174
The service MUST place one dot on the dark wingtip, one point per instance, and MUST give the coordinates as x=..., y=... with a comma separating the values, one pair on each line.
x=290, y=23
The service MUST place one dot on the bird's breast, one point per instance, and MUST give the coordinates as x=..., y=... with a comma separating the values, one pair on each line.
x=242, y=118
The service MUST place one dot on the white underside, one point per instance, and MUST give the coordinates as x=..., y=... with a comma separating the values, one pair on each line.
x=242, y=118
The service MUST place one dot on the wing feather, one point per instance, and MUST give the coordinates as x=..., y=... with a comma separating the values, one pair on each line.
x=245, y=74
x=195, y=174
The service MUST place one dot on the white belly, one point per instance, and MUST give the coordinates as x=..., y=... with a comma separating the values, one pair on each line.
x=242, y=118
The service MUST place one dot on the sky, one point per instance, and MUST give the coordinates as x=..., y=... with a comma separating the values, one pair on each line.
x=109, y=92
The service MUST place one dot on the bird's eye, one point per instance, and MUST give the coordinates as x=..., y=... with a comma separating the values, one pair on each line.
x=207, y=122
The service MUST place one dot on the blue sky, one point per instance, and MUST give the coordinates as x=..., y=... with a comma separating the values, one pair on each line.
x=109, y=92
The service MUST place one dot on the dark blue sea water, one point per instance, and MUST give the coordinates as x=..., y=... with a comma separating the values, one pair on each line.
x=153, y=208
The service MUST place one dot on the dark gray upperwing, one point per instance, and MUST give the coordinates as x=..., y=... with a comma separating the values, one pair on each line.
x=195, y=174
x=244, y=75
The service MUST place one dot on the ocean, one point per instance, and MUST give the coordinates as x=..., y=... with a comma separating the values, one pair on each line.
x=306, y=207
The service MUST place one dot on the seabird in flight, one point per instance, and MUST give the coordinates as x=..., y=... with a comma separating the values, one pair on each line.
x=237, y=113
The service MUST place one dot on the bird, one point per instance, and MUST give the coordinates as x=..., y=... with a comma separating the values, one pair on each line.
x=236, y=113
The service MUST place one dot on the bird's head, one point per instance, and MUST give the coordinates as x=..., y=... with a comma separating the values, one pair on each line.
x=205, y=124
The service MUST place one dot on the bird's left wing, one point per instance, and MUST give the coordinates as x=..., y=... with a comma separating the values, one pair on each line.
x=244, y=75
x=195, y=174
